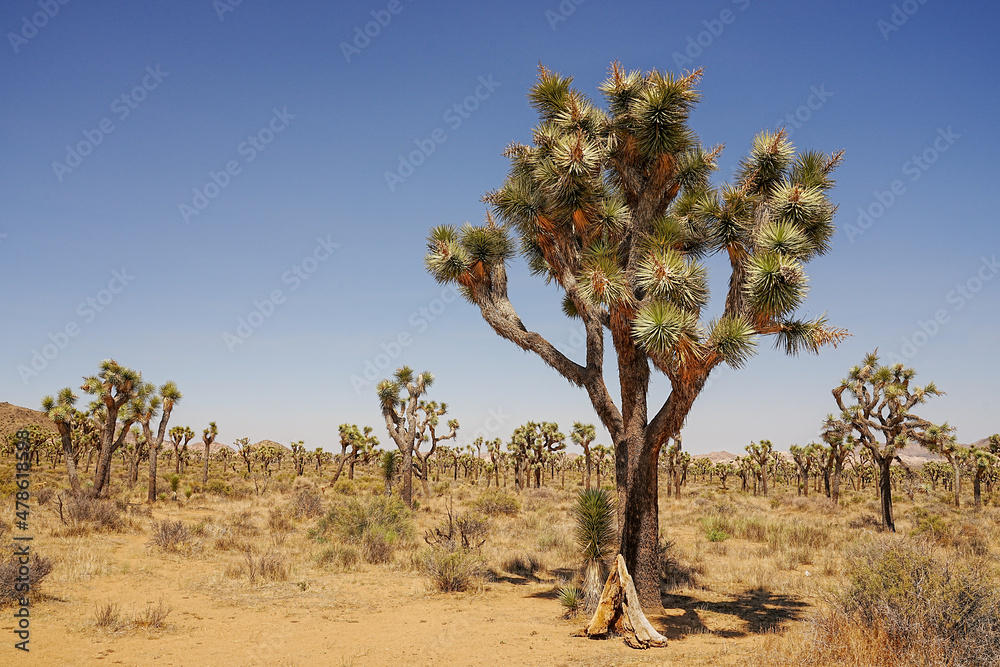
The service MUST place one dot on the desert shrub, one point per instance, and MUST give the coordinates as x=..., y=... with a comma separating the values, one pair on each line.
x=153, y=617
x=345, y=487
x=523, y=565
x=100, y=513
x=306, y=503
x=344, y=556
x=931, y=526
x=219, y=487
x=12, y=576
x=538, y=498
x=107, y=615
x=241, y=523
x=4, y=529
x=451, y=569
x=866, y=522
x=175, y=482
x=172, y=536
x=44, y=495
x=496, y=503
x=268, y=566
x=469, y=531
x=912, y=598
x=376, y=525
x=278, y=521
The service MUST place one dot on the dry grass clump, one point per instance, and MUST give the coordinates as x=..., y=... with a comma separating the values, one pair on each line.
x=496, y=502
x=376, y=525
x=452, y=569
x=526, y=565
x=108, y=616
x=342, y=556
x=15, y=575
x=83, y=513
x=306, y=503
x=172, y=536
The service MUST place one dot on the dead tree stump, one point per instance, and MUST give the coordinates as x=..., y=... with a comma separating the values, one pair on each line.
x=619, y=612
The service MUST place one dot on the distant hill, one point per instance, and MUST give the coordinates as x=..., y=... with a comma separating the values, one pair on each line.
x=716, y=457
x=13, y=417
x=272, y=443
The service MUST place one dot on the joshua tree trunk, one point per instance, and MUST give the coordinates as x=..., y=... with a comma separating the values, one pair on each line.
x=885, y=491
x=67, y=442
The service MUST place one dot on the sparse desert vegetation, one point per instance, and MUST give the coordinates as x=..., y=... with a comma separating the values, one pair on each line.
x=746, y=578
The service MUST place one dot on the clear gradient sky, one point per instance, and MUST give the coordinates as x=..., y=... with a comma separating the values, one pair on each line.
x=169, y=169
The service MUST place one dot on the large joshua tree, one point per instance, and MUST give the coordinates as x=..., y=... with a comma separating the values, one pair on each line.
x=882, y=416
x=615, y=207
x=401, y=418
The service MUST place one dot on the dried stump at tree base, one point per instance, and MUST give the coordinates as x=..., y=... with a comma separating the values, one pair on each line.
x=619, y=612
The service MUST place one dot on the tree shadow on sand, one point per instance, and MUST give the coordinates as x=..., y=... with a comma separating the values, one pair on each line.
x=760, y=610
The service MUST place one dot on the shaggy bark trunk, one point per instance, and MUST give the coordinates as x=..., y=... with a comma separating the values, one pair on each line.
x=340, y=466
x=640, y=528
x=977, y=489
x=154, y=453
x=958, y=482
x=586, y=454
x=204, y=472
x=838, y=468
x=66, y=436
x=406, y=490
x=885, y=490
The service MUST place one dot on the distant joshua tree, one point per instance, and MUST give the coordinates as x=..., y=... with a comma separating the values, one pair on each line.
x=119, y=392
x=207, y=438
x=168, y=397
x=61, y=411
x=433, y=411
x=583, y=435
x=760, y=453
x=180, y=436
x=882, y=416
x=401, y=417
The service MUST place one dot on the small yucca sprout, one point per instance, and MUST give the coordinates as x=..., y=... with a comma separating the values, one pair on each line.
x=571, y=598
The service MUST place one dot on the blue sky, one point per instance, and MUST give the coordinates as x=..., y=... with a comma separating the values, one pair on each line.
x=171, y=170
